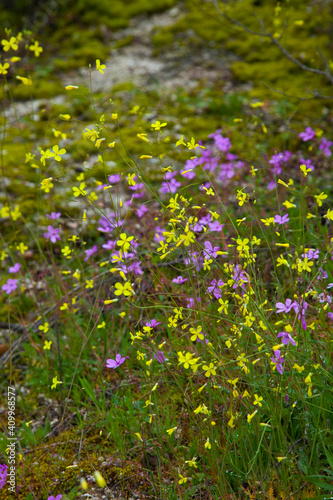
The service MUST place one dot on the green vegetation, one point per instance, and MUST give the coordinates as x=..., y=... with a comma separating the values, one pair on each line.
x=166, y=264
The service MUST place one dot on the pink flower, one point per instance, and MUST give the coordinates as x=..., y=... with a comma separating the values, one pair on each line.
x=54, y=215
x=325, y=145
x=179, y=280
x=90, y=251
x=284, y=307
x=10, y=286
x=114, y=363
x=160, y=356
x=52, y=234
x=281, y=220
x=15, y=268
x=308, y=135
x=286, y=338
x=141, y=211
x=3, y=475
x=278, y=360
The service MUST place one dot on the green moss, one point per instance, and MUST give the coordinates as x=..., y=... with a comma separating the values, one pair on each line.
x=163, y=38
x=124, y=42
x=81, y=149
x=40, y=89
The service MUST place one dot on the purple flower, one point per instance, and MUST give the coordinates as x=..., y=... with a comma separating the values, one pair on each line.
x=190, y=302
x=323, y=275
x=215, y=288
x=239, y=276
x=276, y=161
x=215, y=226
x=141, y=211
x=52, y=234
x=153, y=323
x=284, y=307
x=308, y=135
x=109, y=245
x=160, y=356
x=311, y=254
x=90, y=251
x=195, y=259
x=10, y=286
x=113, y=179
x=222, y=143
x=15, y=268
x=329, y=286
x=286, y=338
x=278, y=360
x=54, y=215
x=330, y=316
x=51, y=497
x=281, y=220
x=170, y=186
x=3, y=475
x=188, y=174
x=209, y=250
x=179, y=280
x=114, y=363
x=325, y=145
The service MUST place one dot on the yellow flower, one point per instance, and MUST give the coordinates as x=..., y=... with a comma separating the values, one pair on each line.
x=10, y=44
x=158, y=125
x=99, y=479
x=100, y=66
x=257, y=400
x=55, y=382
x=207, y=444
x=171, y=431
x=329, y=214
x=210, y=370
x=192, y=463
x=65, y=117
x=3, y=68
x=21, y=247
x=46, y=185
x=77, y=191
x=187, y=238
x=83, y=483
x=130, y=179
x=57, y=152
x=66, y=251
x=182, y=479
x=305, y=170
x=250, y=417
x=71, y=87
x=124, y=241
x=114, y=116
x=231, y=421
x=102, y=325
x=44, y=328
x=281, y=260
x=196, y=334
x=89, y=284
x=36, y=49
x=47, y=344
x=142, y=137
x=125, y=289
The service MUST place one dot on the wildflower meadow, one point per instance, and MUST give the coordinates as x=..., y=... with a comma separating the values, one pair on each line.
x=166, y=294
